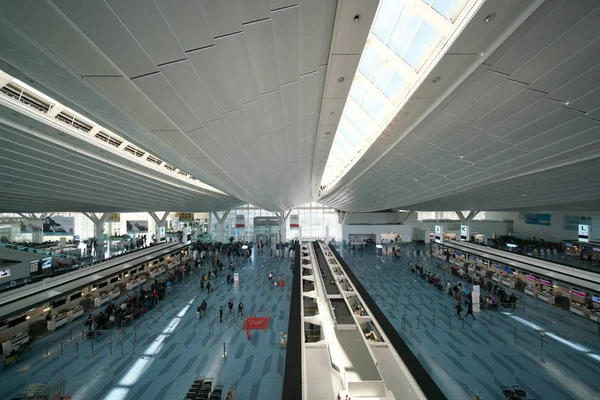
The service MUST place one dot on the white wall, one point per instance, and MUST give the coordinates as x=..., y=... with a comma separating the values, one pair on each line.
x=556, y=232
x=406, y=231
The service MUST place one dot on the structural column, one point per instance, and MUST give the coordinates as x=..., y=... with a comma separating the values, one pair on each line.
x=283, y=216
x=99, y=221
x=221, y=225
x=158, y=224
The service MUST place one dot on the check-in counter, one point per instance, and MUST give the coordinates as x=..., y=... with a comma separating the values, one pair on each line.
x=77, y=312
x=529, y=291
x=544, y=296
x=133, y=284
x=116, y=292
x=104, y=298
x=496, y=278
x=508, y=282
x=576, y=309
x=58, y=321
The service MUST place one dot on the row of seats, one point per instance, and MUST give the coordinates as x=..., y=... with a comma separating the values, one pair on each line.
x=202, y=389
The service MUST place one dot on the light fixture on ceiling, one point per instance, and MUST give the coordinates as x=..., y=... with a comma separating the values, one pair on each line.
x=490, y=18
x=437, y=79
x=341, y=79
x=356, y=18
x=328, y=133
x=460, y=156
x=566, y=103
x=332, y=113
x=364, y=160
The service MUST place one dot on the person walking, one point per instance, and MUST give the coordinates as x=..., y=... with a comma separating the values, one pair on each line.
x=221, y=315
x=470, y=310
x=203, y=307
x=230, y=305
x=208, y=287
x=270, y=277
x=241, y=309
x=458, y=310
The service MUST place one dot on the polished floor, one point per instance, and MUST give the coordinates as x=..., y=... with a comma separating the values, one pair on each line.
x=159, y=356
x=498, y=348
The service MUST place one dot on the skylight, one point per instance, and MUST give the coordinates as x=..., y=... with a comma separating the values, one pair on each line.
x=407, y=40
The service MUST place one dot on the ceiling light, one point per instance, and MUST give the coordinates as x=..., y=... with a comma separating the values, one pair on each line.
x=341, y=79
x=490, y=18
x=332, y=113
x=328, y=133
x=356, y=18
x=567, y=103
x=436, y=79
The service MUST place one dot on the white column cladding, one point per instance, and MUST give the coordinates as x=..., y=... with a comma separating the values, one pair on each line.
x=464, y=233
x=439, y=234
x=475, y=298
x=327, y=234
x=300, y=234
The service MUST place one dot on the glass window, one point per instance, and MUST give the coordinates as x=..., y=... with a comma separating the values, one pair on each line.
x=421, y=45
x=447, y=8
x=405, y=29
x=395, y=86
x=386, y=16
x=368, y=62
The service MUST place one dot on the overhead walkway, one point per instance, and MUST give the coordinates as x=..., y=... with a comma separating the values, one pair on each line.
x=31, y=296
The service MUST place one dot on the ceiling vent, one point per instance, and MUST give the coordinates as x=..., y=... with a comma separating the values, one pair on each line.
x=154, y=160
x=182, y=173
x=132, y=150
x=25, y=97
x=170, y=167
x=106, y=138
x=74, y=122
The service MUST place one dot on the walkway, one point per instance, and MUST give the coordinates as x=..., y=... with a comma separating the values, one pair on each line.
x=159, y=356
x=484, y=354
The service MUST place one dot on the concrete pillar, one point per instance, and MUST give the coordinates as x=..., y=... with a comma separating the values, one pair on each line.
x=159, y=222
x=283, y=216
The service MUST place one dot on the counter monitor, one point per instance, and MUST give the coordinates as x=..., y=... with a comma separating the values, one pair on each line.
x=596, y=299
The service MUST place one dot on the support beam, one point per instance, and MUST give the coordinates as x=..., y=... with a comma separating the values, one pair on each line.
x=472, y=215
x=283, y=216
x=221, y=225
x=405, y=217
x=159, y=222
x=461, y=216
x=24, y=216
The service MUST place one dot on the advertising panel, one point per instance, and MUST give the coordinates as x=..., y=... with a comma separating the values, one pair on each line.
x=294, y=221
x=31, y=226
x=240, y=221
x=439, y=234
x=114, y=217
x=584, y=233
x=185, y=216
x=538, y=219
x=464, y=233
x=59, y=226
x=4, y=273
x=138, y=226
x=572, y=222
x=34, y=266
x=266, y=221
x=47, y=263
x=162, y=232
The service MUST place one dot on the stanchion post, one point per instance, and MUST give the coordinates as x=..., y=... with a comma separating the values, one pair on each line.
x=515, y=335
x=77, y=348
x=542, y=334
x=122, y=353
x=491, y=319
x=61, y=348
x=110, y=348
x=82, y=339
x=224, y=350
x=434, y=322
x=92, y=353
x=71, y=335
x=463, y=323
x=419, y=323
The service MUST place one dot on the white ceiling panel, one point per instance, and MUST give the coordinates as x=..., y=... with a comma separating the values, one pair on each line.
x=181, y=142
x=182, y=76
x=209, y=67
x=407, y=144
x=254, y=10
x=145, y=21
x=349, y=38
x=312, y=13
x=492, y=100
x=462, y=137
x=308, y=126
x=500, y=157
x=526, y=116
x=158, y=89
x=187, y=22
x=439, y=122
x=559, y=133
x=473, y=145
x=589, y=102
x=292, y=132
x=222, y=16
x=432, y=156
x=449, y=131
x=459, y=170
x=575, y=39
x=256, y=115
x=206, y=142
x=240, y=126
x=512, y=164
x=273, y=107
x=420, y=150
x=311, y=91
x=550, y=121
x=286, y=32
x=568, y=69
x=122, y=91
x=505, y=110
x=222, y=134
x=586, y=141
x=487, y=151
x=483, y=86
x=259, y=38
x=578, y=87
x=290, y=96
x=237, y=67
x=95, y=19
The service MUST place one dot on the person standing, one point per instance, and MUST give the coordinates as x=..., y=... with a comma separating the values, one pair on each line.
x=270, y=277
x=241, y=309
x=230, y=305
x=221, y=315
x=458, y=310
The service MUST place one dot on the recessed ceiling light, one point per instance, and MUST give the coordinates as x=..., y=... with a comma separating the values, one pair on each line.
x=490, y=18
x=328, y=133
x=460, y=157
x=341, y=79
x=332, y=113
x=437, y=79
x=567, y=103
x=356, y=18
x=364, y=160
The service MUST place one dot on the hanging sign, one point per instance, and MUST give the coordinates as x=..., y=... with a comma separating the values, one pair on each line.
x=114, y=217
x=240, y=221
x=294, y=221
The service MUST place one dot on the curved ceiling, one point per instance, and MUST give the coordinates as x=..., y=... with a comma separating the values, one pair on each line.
x=242, y=94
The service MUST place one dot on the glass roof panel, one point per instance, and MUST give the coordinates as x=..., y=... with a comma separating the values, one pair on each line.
x=406, y=41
